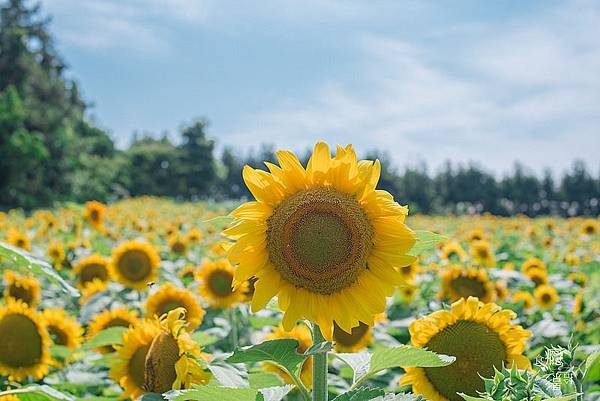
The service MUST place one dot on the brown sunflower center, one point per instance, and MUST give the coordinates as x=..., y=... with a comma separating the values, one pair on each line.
x=590, y=229
x=135, y=265
x=407, y=270
x=220, y=282
x=58, y=335
x=137, y=365
x=168, y=305
x=178, y=247
x=94, y=215
x=468, y=287
x=483, y=253
x=21, y=293
x=159, y=373
x=20, y=243
x=349, y=339
x=477, y=349
x=20, y=341
x=92, y=271
x=546, y=298
x=319, y=239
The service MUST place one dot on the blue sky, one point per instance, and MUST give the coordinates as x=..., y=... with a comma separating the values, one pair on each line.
x=491, y=82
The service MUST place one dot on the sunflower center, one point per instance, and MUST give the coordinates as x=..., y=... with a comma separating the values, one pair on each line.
x=92, y=271
x=468, y=287
x=178, y=247
x=477, y=349
x=58, y=336
x=137, y=365
x=220, y=283
x=168, y=305
x=319, y=239
x=20, y=293
x=159, y=373
x=20, y=341
x=20, y=243
x=135, y=265
x=483, y=253
x=589, y=230
x=407, y=270
x=546, y=298
x=349, y=339
x=95, y=215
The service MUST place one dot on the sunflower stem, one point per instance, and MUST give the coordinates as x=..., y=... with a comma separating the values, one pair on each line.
x=234, y=328
x=319, y=379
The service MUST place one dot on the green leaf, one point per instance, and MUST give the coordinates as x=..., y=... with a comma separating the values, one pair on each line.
x=206, y=393
x=360, y=394
x=110, y=336
x=425, y=240
x=204, y=339
x=60, y=352
x=275, y=393
x=281, y=351
x=470, y=398
x=229, y=376
x=152, y=397
x=263, y=379
x=358, y=361
x=592, y=368
x=24, y=261
x=39, y=393
x=319, y=348
x=565, y=398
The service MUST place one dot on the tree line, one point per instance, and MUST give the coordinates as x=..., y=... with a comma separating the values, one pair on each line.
x=50, y=152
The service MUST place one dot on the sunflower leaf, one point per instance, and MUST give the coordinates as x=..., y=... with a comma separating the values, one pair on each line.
x=263, y=379
x=358, y=361
x=405, y=355
x=319, y=348
x=109, y=336
x=425, y=241
x=281, y=351
x=208, y=393
x=39, y=393
x=360, y=394
x=471, y=398
x=275, y=393
x=22, y=260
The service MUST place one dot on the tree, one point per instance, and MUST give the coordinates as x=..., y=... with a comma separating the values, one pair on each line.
x=196, y=163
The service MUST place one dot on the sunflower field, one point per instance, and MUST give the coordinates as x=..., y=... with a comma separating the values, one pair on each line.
x=321, y=288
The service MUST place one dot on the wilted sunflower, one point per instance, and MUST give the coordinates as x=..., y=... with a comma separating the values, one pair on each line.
x=532, y=263
x=25, y=289
x=590, y=227
x=94, y=212
x=63, y=328
x=482, y=254
x=173, y=359
x=178, y=244
x=19, y=240
x=134, y=264
x=93, y=267
x=320, y=239
x=216, y=284
x=479, y=335
x=452, y=251
x=525, y=297
x=537, y=275
x=546, y=296
x=129, y=362
x=459, y=282
x=302, y=334
x=168, y=297
x=24, y=342
x=118, y=317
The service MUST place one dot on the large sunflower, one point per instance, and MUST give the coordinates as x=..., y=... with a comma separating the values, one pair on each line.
x=479, y=335
x=19, y=240
x=322, y=239
x=459, y=282
x=129, y=362
x=63, y=328
x=118, y=317
x=302, y=334
x=168, y=297
x=93, y=267
x=134, y=264
x=216, y=284
x=25, y=289
x=172, y=361
x=24, y=342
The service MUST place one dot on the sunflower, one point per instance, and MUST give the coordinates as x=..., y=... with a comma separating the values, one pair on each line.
x=578, y=278
x=93, y=267
x=459, y=282
x=63, y=328
x=9, y=397
x=193, y=236
x=590, y=227
x=546, y=296
x=358, y=339
x=172, y=361
x=19, y=240
x=129, y=362
x=532, y=263
x=578, y=303
x=572, y=259
x=216, y=284
x=479, y=335
x=482, y=254
x=25, y=289
x=24, y=342
x=537, y=275
x=134, y=264
x=476, y=235
x=409, y=271
x=187, y=272
x=525, y=297
x=320, y=239
x=92, y=288
x=302, y=334
x=94, y=212
x=118, y=317
x=452, y=251
x=501, y=290
x=408, y=292
x=168, y=297
x=178, y=244
x=56, y=252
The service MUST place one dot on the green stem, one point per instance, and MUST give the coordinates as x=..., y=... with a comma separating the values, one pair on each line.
x=234, y=328
x=319, y=389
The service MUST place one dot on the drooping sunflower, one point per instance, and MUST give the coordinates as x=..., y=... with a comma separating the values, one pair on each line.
x=525, y=297
x=453, y=252
x=168, y=297
x=459, y=282
x=302, y=334
x=134, y=264
x=173, y=359
x=23, y=288
x=118, y=317
x=320, y=239
x=532, y=263
x=537, y=275
x=216, y=284
x=24, y=342
x=95, y=212
x=590, y=227
x=19, y=239
x=546, y=296
x=63, y=328
x=129, y=362
x=482, y=254
x=90, y=268
x=479, y=335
